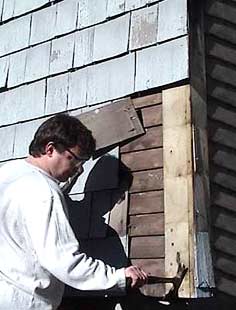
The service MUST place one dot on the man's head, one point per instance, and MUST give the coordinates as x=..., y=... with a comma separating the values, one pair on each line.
x=62, y=143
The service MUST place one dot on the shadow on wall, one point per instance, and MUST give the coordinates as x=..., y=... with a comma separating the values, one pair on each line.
x=89, y=217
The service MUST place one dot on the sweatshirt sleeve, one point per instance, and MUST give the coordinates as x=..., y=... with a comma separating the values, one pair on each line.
x=58, y=250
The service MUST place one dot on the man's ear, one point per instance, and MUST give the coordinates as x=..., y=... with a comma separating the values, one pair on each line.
x=49, y=149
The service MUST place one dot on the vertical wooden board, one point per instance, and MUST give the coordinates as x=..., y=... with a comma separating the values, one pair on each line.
x=4, y=67
x=99, y=214
x=37, y=62
x=61, y=56
x=147, y=247
x=77, y=93
x=142, y=160
x=178, y=187
x=149, y=202
x=116, y=32
x=57, y=94
x=67, y=14
x=17, y=63
x=84, y=41
x=146, y=225
x=152, y=116
x=147, y=181
x=143, y=27
x=43, y=25
x=79, y=214
x=172, y=19
x=152, y=138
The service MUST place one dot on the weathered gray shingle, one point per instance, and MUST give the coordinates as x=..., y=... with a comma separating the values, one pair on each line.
x=78, y=88
x=144, y=27
x=84, y=40
x=111, y=79
x=17, y=68
x=172, y=20
x=111, y=38
x=43, y=25
x=4, y=66
x=37, y=62
x=115, y=7
x=8, y=9
x=7, y=135
x=15, y=35
x=163, y=64
x=57, y=93
x=67, y=13
x=135, y=4
x=91, y=12
x=62, y=54
x=24, y=6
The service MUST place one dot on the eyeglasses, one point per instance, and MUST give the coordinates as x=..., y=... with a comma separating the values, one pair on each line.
x=80, y=159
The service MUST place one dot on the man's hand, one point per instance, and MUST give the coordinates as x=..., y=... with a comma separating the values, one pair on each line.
x=137, y=276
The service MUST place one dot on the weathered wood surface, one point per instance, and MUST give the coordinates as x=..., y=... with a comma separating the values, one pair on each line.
x=142, y=160
x=147, y=247
x=147, y=202
x=147, y=181
x=221, y=112
x=145, y=225
x=152, y=116
x=152, y=138
x=141, y=102
x=119, y=117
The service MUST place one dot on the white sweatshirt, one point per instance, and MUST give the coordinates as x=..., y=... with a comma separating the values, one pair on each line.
x=38, y=249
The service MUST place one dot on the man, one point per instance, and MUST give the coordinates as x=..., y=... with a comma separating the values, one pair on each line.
x=38, y=249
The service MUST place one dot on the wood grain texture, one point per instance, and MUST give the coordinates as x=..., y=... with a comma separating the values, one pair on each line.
x=148, y=202
x=147, y=181
x=144, y=101
x=145, y=225
x=147, y=247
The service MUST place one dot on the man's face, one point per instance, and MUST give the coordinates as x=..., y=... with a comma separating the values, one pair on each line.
x=64, y=165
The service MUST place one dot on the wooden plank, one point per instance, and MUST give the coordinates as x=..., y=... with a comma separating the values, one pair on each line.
x=223, y=199
x=226, y=264
x=145, y=101
x=178, y=186
x=4, y=67
x=224, y=242
x=223, y=178
x=148, y=202
x=142, y=160
x=145, y=225
x=147, y=247
x=221, y=134
x=222, y=157
x=226, y=284
x=154, y=267
x=222, y=113
x=224, y=219
x=152, y=138
x=119, y=117
x=222, y=10
x=152, y=116
x=147, y=181
x=221, y=50
x=118, y=216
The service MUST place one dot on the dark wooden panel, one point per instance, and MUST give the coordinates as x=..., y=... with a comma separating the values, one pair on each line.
x=152, y=138
x=148, y=224
x=147, y=247
x=222, y=157
x=154, y=267
x=221, y=50
x=220, y=29
x=224, y=219
x=223, y=178
x=147, y=181
x=224, y=242
x=221, y=92
x=152, y=116
x=221, y=72
x=147, y=100
x=142, y=160
x=224, y=199
x=222, y=113
x=222, y=10
x=226, y=284
x=148, y=202
x=221, y=134
x=120, y=118
x=226, y=263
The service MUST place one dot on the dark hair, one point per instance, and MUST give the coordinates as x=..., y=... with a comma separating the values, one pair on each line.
x=64, y=131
